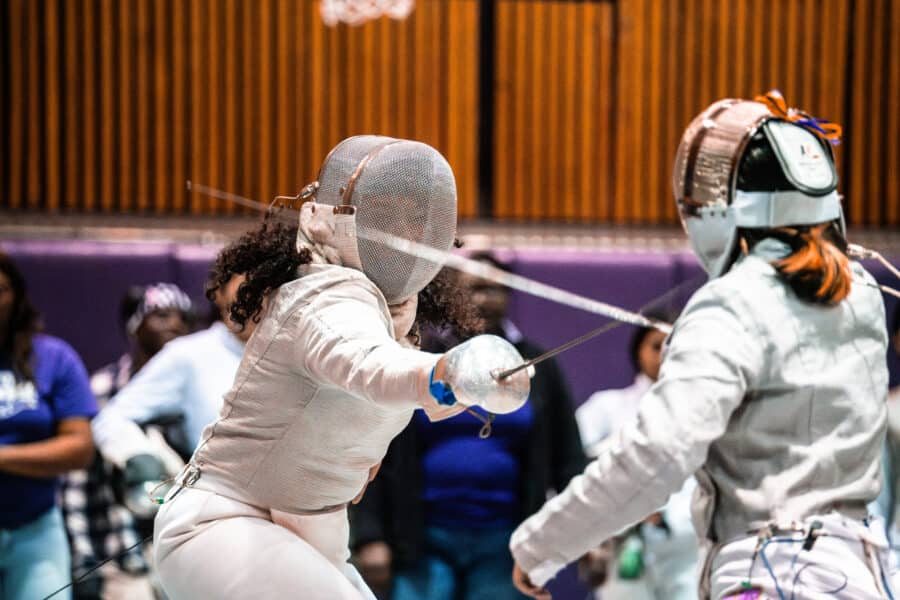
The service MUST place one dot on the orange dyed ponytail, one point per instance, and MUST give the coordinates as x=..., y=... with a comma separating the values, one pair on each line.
x=818, y=269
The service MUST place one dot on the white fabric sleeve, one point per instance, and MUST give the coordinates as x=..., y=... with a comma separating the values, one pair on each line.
x=346, y=342
x=156, y=390
x=593, y=418
x=712, y=360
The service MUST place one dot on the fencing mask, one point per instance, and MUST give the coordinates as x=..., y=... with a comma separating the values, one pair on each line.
x=705, y=179
x=375, y=185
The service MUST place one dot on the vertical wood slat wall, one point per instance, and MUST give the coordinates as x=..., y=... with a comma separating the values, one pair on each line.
x=635, y=72
x=113, y=105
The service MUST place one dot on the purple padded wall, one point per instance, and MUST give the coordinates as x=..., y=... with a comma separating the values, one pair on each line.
x=192, y=265
x=885, y=277
x=77, y=287
x=626, y=280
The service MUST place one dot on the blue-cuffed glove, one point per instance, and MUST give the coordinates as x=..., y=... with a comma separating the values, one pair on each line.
x=440, y=391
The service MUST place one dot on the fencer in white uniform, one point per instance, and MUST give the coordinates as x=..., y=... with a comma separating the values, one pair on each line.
x=327, y=380
x=772, y=389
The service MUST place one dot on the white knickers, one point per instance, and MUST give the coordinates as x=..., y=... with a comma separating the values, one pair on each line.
x=210, y=546
x=848, y=560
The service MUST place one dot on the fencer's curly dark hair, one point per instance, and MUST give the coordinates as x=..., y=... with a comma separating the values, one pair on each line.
x=267, y=256
x=443, y=304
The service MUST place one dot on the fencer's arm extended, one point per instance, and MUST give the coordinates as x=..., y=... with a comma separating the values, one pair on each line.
x=155, y=391
x=345, y=342
x=712, y=360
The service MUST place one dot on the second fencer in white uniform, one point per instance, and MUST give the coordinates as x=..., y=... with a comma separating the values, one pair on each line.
x=327, y=380
x=772, y=389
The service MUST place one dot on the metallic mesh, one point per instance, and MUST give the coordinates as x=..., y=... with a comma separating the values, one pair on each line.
x=404, y=189
x=340, y=164
x=725, y=127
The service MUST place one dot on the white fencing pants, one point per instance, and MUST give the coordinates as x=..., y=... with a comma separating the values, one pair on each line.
x=210, y=546
x=848, y=561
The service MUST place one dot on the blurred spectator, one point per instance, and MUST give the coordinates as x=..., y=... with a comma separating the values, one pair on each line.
x=894, y=396
x=657, y=559
x=436, y=521
x=607, y=410
x=887, y=505
x=98, y=524
x=45, y=410
x=188, y=379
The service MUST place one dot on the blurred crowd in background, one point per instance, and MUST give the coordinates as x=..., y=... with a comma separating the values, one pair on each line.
x=75, y=448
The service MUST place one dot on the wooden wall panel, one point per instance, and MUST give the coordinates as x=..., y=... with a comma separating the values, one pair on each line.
x=34, y=147
x=554, y=73
x=651, y=66
x=16, y=22
x=778, y=55
x=873, y=189
x=891, y=170
x=113, y=105
x=106, y=142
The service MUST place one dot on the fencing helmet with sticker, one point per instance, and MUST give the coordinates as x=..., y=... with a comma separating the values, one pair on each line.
x=710, y=202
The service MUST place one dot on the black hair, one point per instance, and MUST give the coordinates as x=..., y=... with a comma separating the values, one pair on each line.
x=640, y=333
x=129, y=303
x=24, y=322
x=267, y=256
x=444, y=305
x=489, y=257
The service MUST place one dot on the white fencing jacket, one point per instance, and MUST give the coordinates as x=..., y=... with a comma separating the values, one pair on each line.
x=778, y=405
x=323, y=388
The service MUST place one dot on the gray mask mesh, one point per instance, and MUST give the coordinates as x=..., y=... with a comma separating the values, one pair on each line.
x=405, y=189
x=340, y=164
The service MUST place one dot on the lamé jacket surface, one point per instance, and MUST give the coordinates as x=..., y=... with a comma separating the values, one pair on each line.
x=323, y=387
x=777, y=405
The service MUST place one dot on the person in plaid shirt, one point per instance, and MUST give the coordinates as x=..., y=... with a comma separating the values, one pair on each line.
x=99, y=526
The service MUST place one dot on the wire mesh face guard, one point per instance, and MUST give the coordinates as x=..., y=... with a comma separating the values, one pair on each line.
x=397, y=187
x=704, y=180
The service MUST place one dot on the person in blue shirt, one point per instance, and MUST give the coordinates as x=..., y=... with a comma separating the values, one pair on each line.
x=45, y=409
x=435, y=523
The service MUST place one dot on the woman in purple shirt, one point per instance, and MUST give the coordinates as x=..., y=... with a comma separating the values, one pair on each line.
x=45, y=409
